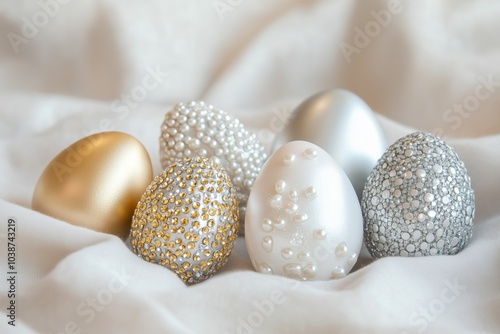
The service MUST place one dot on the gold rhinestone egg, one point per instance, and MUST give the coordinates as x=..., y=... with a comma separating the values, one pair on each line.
x=185, y=224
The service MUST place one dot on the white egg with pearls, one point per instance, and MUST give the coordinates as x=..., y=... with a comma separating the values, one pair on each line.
x=200, y=129
x=303, y=217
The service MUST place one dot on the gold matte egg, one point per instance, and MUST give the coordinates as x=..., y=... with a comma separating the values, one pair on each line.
x=96, y=183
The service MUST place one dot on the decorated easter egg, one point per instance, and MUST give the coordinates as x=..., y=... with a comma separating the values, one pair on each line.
x=418, y=200
x=187, y=220
x=303, y=217
x=95, y=183
x=342, y=124
x=199, y=129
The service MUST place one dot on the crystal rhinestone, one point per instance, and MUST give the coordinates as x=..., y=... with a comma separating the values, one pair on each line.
x=418, y=207
x=184, y=223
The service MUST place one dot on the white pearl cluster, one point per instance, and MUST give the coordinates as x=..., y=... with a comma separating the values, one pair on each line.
x=199, y=129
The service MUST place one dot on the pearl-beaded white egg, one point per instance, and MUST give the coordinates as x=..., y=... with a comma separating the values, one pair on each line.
x=199, y=129
x=303, y=216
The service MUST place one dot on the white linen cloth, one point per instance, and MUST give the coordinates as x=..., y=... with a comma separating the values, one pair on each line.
x=65, y=65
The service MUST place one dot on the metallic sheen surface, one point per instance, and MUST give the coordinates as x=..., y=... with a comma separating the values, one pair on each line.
x=342, y=124
x=96, y=183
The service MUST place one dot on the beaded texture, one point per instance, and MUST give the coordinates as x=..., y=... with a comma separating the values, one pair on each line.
x=199, y=129
x=187, y=220
x=418, y=200
x=303, y=220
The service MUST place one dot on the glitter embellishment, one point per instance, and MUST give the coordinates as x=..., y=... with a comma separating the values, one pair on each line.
x=187, y=220
x=430, y=213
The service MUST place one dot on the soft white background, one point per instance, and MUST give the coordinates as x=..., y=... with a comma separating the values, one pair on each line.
x=256, y=60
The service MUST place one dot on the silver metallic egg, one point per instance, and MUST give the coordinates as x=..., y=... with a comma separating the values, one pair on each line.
x=342, y=124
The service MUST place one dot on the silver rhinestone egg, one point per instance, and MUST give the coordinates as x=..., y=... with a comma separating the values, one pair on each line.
x=418, y=204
